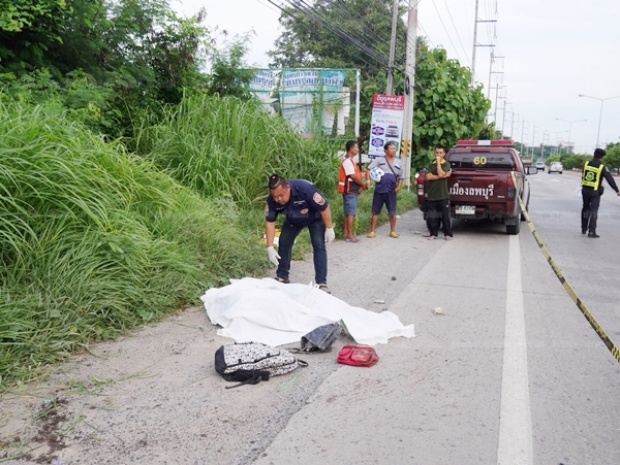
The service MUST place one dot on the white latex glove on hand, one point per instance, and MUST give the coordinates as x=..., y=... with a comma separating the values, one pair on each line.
x=330, y=235
x=274, y=257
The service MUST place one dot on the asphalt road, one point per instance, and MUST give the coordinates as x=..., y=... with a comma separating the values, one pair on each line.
x=509, y=372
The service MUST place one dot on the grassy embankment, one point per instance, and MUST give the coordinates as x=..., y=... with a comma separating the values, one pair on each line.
x=96, y=241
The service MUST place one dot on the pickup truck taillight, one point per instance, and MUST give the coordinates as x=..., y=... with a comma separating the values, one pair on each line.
x=512, y=186
x=420, y=184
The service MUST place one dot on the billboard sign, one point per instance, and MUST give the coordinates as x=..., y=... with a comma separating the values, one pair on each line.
x=386, y=123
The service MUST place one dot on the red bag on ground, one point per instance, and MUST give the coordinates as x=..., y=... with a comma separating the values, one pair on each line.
x=358, y=356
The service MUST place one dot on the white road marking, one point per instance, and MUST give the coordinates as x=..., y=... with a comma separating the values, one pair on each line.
x=515, y=425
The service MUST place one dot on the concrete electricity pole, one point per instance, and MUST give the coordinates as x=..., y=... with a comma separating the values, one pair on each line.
x=412, y=26
x=476, y=44
x=390, y=77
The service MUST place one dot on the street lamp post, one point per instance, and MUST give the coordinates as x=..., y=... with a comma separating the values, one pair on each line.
x=570, y=125
x=600, y=115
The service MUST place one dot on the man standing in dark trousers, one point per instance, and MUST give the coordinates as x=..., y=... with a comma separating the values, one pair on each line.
x=302, y=206
x=438, y=197
x=591, y=190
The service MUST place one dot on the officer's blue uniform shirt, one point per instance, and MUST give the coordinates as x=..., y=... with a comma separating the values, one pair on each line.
x=304, y=207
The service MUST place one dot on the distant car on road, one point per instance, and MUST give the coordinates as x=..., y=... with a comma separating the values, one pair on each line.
x=540, y=165
x=555, y=167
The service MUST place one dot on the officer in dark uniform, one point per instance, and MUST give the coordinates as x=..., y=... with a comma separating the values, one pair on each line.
x=591, y=190
x=303, y=206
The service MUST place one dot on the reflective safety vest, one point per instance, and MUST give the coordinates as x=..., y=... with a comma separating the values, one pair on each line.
x=345, y=184
x=591, y=176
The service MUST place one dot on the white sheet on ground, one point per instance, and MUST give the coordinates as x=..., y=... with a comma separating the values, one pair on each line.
x=264, y=310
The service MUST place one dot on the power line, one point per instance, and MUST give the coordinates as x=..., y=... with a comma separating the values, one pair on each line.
x=345, y=38
x=304, y=8
x=455, y=29
x=446, y=30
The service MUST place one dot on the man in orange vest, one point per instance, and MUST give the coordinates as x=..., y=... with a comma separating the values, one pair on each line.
x=350, y=185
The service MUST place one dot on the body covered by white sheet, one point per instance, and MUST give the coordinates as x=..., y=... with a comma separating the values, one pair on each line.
x=264, y=310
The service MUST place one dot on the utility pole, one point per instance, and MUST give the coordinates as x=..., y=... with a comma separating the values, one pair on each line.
x=497, y=86
x=390, y=77
x=504, y=118
x=493, y=57
x=412, y=26
x=476, y=44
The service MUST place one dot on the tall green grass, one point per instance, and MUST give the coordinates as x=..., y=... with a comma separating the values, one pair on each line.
x=223, y=147
x=95, y=241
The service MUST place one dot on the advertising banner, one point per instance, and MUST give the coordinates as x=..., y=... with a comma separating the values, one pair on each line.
x=262, y=87
x=311, y=98
x=386, y=123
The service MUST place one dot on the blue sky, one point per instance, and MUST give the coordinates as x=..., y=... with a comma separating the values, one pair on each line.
x=553, y=49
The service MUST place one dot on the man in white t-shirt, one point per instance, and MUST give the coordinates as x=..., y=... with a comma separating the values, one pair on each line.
x=350, y=185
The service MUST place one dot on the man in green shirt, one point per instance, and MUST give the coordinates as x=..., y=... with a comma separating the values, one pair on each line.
x=438, y=197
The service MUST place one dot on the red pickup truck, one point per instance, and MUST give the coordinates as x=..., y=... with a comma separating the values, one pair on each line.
x=488, y=178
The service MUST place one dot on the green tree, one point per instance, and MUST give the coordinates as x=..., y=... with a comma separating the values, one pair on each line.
x=612, y=159
x=137, y=54
x=446, y=107
x=229, y=75
x=28, y=29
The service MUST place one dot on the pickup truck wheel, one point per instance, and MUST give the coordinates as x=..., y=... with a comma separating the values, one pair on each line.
x=513, y=229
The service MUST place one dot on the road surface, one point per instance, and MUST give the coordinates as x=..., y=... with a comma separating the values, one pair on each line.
x=510, y=372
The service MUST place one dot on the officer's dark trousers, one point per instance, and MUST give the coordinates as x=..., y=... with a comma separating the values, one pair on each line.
x=438, y=211
x=317, y=237
x=589, y=212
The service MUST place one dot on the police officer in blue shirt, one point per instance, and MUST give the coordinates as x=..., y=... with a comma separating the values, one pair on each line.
x=302, y=206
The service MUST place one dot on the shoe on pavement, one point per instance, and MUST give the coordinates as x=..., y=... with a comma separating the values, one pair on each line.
x=583, y=231
x=372, y=234
x=324, y=288
x=430, y=237
x=593, y=234
x=282, y=280
x=394, y=234
x=448, y=238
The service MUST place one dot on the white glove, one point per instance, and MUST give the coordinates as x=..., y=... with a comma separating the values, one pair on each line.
x=330, y=235
x=274, y=257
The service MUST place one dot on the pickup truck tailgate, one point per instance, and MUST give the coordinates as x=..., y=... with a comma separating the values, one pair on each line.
x=478, y=187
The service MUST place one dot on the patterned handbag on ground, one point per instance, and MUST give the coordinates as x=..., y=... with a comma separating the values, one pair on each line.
x=358, y=356
x=251, y=362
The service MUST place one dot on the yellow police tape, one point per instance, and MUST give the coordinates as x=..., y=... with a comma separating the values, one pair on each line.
x=613, y=348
